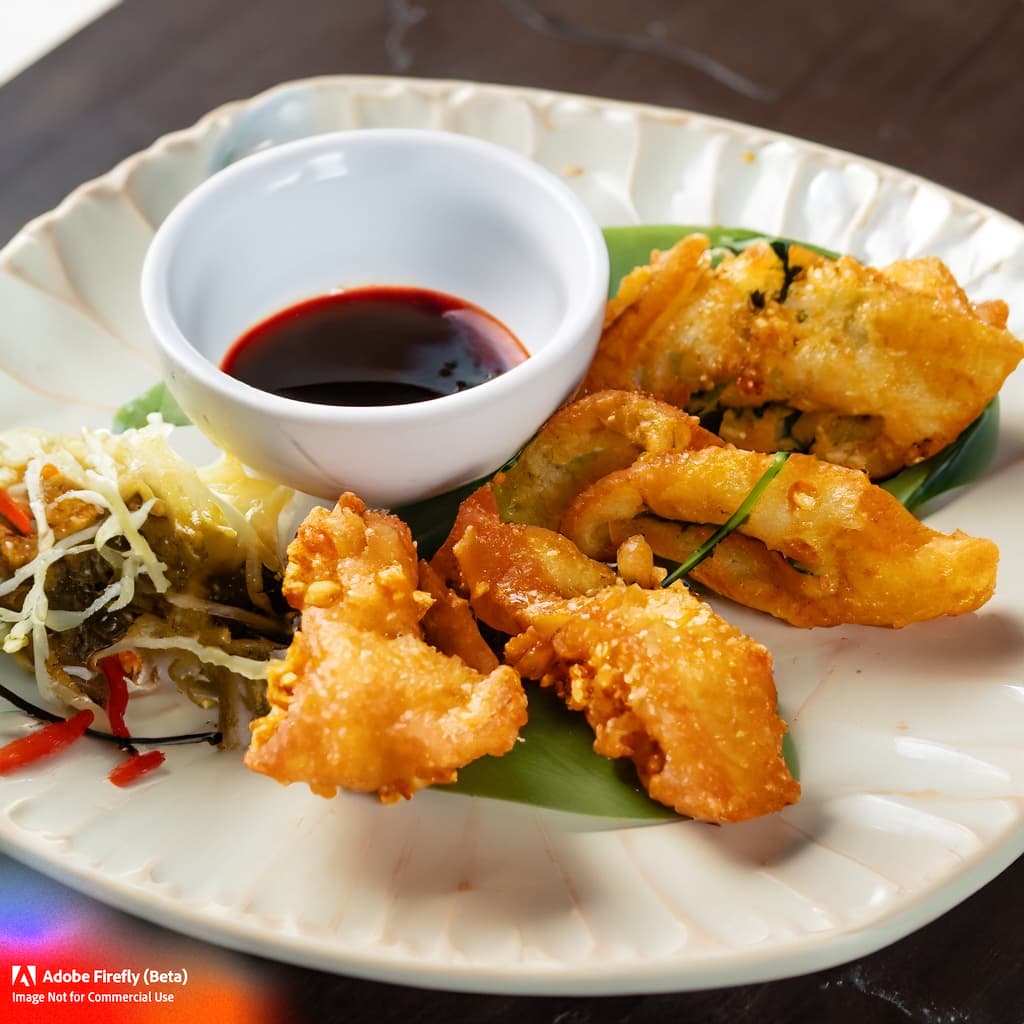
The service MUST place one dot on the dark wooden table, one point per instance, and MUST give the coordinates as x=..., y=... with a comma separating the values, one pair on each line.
x=934, y=87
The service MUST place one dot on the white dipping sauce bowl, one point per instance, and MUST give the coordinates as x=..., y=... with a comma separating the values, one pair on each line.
x=377, y=207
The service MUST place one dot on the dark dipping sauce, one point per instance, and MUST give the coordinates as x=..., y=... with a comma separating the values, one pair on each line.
x=379, y=345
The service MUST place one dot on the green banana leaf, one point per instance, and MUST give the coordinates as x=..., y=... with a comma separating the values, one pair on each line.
x=963, y=462
x=157, y=399
x=554, y=765
x=631, y=246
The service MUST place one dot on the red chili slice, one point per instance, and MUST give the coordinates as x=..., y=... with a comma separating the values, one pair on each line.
x=44, y=742
x=117, y=694
x=14, y=513
x=135, y=766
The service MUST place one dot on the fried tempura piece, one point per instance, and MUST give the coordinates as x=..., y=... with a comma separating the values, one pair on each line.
x=873, y=369
x=362, y=701
x=507, y=569
x=676, y=327
x=634, y=562
x=581, y=443
x=448, y=624
x=670, y=685
x=368, y=712
x=821, y=546
x=360, y=563
x=64, y=515
x=662, y=679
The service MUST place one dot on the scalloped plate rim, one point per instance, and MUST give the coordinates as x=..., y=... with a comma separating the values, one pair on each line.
x=660, y=976
x=230, y=107
x=593, y=976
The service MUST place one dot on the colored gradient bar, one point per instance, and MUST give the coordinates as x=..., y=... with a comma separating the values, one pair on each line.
x=51, y=928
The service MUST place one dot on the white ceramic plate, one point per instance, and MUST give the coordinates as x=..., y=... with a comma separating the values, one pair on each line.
x=909, y=742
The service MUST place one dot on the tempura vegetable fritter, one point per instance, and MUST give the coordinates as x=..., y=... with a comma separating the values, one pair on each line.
x=448, y=624
x=661, y=678
x=582, y=442
x=362, y=701
x=821, y=545
x=669, y=684
x=788, y=350
x=510, y=570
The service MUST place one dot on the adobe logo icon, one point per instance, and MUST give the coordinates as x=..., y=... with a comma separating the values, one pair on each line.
x=23, y=975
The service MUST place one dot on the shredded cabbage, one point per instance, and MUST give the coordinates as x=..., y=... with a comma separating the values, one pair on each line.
x=247, y=667
x=165, y=529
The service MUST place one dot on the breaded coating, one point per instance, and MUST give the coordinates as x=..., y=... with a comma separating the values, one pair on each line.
x=677, y=326
x=582, y=442
x=821, y=546
x=387, y=714
x=661, y=678
x=362, y=701
x=448, y=624
x=507, y=569
x=63, y=514
x=360, y=562
x=634, y=562
x=872, y=369
x=667, y=683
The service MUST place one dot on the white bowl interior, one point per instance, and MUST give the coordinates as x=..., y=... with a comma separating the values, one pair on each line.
x=339, y=213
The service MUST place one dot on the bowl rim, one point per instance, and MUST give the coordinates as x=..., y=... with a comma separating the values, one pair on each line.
x=582, y=309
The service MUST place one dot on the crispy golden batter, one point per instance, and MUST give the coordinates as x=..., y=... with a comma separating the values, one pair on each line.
x=448, y=624
x=368, y=712
x=507, y=569
x=634, y=562
x=677, y=326
x=873, y=369
x=581, y=443
x=662, y=679
x=821, y=546
x=64, y=515
x=362, y=701
x=670, y=685
x=361, y=561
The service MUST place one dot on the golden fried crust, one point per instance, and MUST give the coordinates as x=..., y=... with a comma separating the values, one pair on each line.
x=449, y=625
x=680, y=326
x=863, y=342
x=582, y=442
x=670, y=685
x=634, y=562
x=931, y=276
x=64, y=516
x=821, y=546
x=363, y=559
x=661, y=678
x=362, y=701
x=385, y=714
x=873, y=369
x=507, y=568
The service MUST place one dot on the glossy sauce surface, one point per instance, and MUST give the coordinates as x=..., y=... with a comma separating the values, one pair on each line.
x=380, y=345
